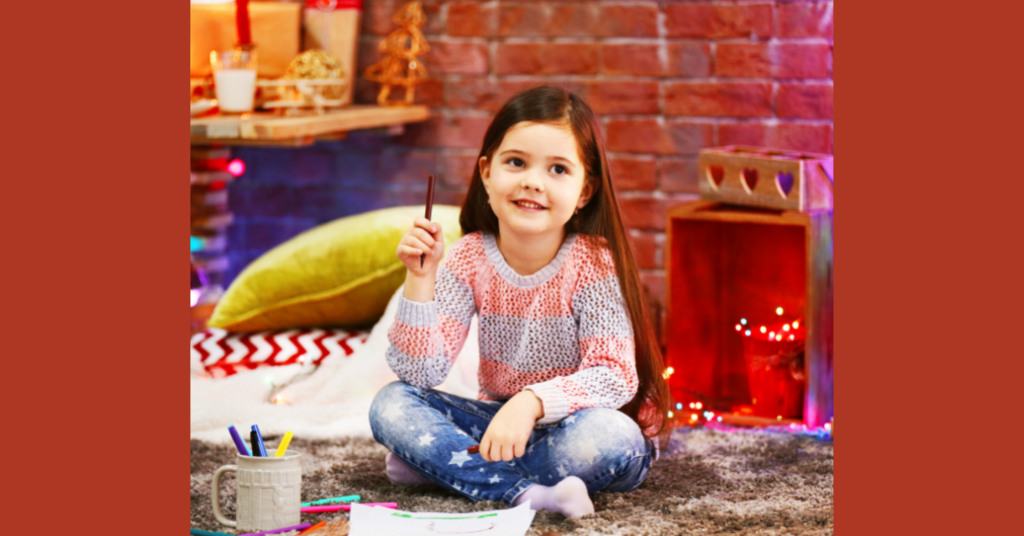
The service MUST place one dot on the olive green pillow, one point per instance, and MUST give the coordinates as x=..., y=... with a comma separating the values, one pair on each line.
x=341, y=273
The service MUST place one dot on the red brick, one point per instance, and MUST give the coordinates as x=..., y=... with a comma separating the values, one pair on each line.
x=471, y=19
x=479, y=93
x=805, y=101
x=632, y=59
x=429, y=93
x=806, y=20
x=645, y=136
x=742, y=134
x=782, y=60
x=632, y=173
x=718, y=99
x=368, y=54
x=678, y=175
x=376, y=17
x=643, y=211
x=547, y=58
x=654, y=282
x=458, y=168
x=435, y=22
x=522, y=20
x=646, y=249
x=718, y=21
x=571, y=58
x=812, y=138
x=792, y=136
x=454, y=57
x=689, y=137
x=619, y=97
x=628, y=20
x=605, y=97
x=465, y=132
x=742, y=59
x=689, y=59
x=572, y=20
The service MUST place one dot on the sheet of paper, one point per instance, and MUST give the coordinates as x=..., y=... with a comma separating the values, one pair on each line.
x=377, y=521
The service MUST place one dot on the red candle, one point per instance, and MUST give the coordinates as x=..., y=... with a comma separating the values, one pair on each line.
x=242, y=22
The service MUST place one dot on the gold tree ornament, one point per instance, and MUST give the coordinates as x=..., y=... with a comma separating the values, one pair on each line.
x=399, y=67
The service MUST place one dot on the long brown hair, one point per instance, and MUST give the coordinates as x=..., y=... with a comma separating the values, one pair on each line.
x=600, y=217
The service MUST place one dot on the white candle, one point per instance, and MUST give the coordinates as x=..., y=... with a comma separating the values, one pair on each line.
x=235, y=89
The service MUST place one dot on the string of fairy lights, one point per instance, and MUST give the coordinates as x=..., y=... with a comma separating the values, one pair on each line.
x=788, y=331
x=788, y=334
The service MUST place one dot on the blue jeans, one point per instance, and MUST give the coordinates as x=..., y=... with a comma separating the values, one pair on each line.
x=430, y=431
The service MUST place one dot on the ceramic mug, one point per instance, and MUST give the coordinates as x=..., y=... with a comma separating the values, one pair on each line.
x=269, y=491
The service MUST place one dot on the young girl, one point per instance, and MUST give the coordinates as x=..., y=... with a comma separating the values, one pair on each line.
x=571, y=393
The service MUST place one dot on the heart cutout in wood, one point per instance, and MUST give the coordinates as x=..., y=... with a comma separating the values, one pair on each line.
x=784, y=181
x=750, y=179
x=716, y=174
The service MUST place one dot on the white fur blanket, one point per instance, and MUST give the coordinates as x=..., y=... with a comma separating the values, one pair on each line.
x=334, y=401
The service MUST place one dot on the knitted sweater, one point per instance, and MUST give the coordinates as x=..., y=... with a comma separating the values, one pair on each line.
x=562, y=332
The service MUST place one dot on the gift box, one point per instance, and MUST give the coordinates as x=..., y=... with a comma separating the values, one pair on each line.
x=334, y=27
x=275, y=31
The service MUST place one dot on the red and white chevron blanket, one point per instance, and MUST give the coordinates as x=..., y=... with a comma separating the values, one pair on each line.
x=222, y=354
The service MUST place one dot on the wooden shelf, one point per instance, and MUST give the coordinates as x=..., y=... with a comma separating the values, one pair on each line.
x=268, y=128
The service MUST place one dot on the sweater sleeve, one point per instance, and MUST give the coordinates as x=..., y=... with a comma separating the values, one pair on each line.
x=606, y=377
x=427, y=337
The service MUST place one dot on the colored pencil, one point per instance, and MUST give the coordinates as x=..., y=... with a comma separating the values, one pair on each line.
x=342, y=507
x=430, y=206
x=332, y=500
x=475, y=449
x=197, y=532
x=301, y=526
x=314, y=527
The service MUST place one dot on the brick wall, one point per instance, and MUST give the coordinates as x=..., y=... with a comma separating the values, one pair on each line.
x=667, y=78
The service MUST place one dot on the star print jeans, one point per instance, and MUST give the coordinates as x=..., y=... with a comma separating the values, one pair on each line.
x=430, y=431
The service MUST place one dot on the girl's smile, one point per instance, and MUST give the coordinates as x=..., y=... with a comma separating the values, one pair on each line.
x=535, y=181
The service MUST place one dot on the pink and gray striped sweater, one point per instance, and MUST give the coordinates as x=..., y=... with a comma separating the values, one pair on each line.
x=562, y=332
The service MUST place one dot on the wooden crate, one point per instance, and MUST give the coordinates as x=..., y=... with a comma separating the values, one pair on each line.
x=766, y=178
x=725, y=263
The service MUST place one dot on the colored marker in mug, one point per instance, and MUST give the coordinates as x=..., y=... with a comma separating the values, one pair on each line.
x=259, y=441
x=342, y=507
x=283, y=447
x=332, y=500
x=302, y=526
x=239, y=443
x=254, y=439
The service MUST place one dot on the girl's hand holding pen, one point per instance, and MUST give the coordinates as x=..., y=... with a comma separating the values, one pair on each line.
x=424, y=238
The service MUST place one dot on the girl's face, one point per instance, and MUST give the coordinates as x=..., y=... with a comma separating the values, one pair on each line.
x=535, y=180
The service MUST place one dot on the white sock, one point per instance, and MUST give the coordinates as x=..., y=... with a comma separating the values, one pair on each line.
x=569, y=498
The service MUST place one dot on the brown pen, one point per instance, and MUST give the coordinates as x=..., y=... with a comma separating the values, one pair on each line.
x=430, y=206
x=475, y=449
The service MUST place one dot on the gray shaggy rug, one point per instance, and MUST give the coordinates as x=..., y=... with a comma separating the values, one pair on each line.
x=734, y=481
